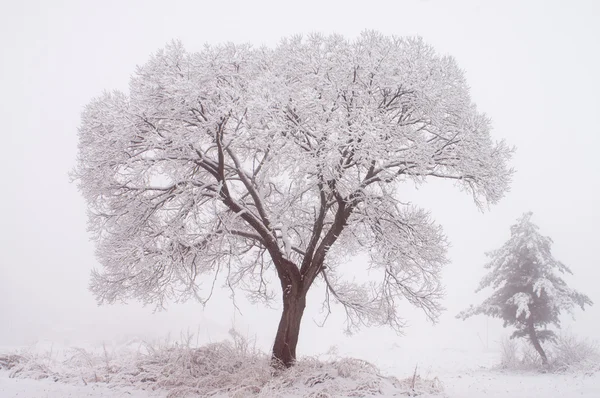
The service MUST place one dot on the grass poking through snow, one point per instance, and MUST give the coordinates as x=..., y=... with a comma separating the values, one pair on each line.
x=225, y=369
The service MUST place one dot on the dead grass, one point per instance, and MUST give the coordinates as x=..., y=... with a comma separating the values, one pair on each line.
x=567, y=354
x=231, y=368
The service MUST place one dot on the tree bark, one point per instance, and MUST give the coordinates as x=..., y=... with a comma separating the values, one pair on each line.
x=286, y=340
x=536, y=342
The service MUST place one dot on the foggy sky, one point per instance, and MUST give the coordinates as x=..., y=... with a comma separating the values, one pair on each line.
x=532, y=67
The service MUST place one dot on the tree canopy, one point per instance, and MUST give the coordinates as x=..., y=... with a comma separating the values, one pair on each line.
x=242, y=161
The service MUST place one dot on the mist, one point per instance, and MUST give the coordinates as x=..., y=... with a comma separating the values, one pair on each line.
x=532, y=68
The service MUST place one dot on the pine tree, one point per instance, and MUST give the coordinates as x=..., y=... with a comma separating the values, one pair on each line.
x=529, y=291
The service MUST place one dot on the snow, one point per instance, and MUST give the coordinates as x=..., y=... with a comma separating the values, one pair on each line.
x=522, y=301
x=30, y=388
x=463, y=373
x=313, y=136
x=490, y=384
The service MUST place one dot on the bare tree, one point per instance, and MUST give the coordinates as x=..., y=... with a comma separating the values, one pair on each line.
x=246, y=161
x=529, y=293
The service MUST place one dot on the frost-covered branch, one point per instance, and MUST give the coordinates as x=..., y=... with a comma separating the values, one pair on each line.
x=235, y=162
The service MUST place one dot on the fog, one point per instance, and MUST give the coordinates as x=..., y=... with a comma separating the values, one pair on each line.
x=532, y=67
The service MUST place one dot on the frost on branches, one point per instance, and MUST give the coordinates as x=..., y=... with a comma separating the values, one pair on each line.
x=529, y=292
x=242, y=163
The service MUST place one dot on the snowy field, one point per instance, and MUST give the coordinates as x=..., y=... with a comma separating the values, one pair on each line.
x=24, y=388
x=477, y=383
x=183, y=172
x=461, y=373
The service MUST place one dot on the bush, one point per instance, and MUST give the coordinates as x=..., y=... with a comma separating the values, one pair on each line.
x=566, y=353
x=518, y=356
x=230, y=368
x=508, y=351
x=570, y=354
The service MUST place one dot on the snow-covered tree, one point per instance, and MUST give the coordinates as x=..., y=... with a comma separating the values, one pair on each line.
x=529, y=291
x=243, y=163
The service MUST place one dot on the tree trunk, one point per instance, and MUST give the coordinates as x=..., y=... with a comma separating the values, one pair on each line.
x=284, y=348
x=536, y=342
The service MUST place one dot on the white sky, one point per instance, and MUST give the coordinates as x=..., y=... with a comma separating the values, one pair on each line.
x=532, y=66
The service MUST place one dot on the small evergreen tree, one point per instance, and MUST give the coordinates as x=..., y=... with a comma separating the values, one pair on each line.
x=529, y=292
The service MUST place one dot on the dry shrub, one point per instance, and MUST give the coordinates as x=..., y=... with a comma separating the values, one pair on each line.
x=517, y=355
x=572, y=354
x=509, y=353
x=566, y=353
x=530, y=358
x=9, y=361
x=226, y=369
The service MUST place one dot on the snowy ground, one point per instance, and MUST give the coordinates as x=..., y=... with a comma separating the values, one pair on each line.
x=463, y=373
x=28, y=388
x=490, y=384
x=481, y=383
x=475, y=374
